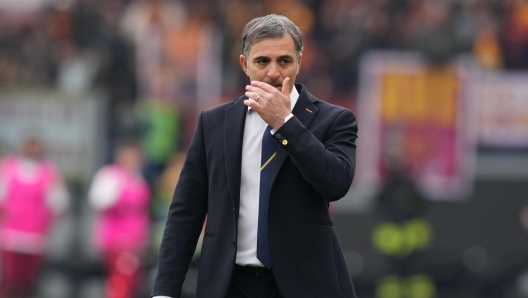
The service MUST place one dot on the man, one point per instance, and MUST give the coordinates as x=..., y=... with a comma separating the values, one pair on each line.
x=121, y=198
x=32, y=196
x=263, y=168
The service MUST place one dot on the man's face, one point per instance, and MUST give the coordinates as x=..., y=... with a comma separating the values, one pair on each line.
x=271, y=60
x=33, y=148
x=130, y=158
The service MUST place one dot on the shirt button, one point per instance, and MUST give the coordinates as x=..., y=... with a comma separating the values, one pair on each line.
x=233, y=243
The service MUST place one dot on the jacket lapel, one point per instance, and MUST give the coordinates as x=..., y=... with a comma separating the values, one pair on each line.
x=304, y=111
x=235, y=117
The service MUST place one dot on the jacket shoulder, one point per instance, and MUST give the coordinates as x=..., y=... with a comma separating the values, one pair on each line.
x=322, y=105
x=221, y=108
x=331, y=109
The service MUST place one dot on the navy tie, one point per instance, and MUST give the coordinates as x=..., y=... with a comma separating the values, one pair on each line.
x=269, y=149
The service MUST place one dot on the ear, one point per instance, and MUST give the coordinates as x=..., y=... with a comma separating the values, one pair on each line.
x=243, y=63
x=299, y=63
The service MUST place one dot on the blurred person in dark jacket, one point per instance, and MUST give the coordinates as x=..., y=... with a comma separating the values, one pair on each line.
x=404, y=230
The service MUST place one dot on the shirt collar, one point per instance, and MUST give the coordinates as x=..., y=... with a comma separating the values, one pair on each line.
x=294, y=96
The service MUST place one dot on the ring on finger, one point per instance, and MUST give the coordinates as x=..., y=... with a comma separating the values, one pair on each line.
x=258, y=97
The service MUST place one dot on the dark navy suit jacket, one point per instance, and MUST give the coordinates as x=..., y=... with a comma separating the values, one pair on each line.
x=314, y=165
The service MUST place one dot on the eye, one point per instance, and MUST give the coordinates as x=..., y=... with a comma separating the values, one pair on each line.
x=285, y=61
x=261, y=61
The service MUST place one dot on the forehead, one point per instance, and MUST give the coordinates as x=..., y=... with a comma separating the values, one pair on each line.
x=273, y=46
x=32, y=143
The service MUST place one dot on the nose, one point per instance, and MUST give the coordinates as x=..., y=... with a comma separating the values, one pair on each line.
x=273, y=71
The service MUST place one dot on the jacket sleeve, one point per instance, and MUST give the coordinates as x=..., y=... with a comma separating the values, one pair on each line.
x=185, y=220
x=327, y=164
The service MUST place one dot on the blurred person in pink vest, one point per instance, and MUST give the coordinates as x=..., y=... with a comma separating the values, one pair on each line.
x=121, y=197
x=32, y=194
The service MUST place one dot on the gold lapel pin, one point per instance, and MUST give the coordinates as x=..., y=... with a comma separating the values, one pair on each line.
x=309, y=110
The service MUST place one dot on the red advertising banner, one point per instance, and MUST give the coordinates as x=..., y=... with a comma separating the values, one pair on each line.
x=416, y=117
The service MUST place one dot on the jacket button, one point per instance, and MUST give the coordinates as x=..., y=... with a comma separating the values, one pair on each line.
x=233, y=242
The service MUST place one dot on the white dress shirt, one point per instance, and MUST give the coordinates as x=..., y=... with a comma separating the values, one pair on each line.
x=250, y=187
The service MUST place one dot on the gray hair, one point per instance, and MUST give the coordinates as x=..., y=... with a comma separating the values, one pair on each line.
x=270, y=26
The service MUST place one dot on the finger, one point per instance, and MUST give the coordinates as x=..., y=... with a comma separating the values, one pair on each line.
x=264, y=86
x=251, y=103
x=253, y=95
x=256, y=90
x=286, y=86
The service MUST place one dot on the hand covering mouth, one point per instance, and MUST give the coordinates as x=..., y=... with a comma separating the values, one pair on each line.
x=278, y=86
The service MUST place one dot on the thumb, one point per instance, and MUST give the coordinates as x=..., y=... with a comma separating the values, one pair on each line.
x=286, y=86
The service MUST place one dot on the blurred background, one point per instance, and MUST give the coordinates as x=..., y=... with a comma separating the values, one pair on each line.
x=438, y=207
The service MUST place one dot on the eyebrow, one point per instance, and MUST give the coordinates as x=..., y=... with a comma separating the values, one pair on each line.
x=268, y=58
x=286, y=57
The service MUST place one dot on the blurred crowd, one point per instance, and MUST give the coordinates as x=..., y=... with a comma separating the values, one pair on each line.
x=159, y=62
x=155, y=48
x=177, y=57
x=93, y=43
x=161, y=49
